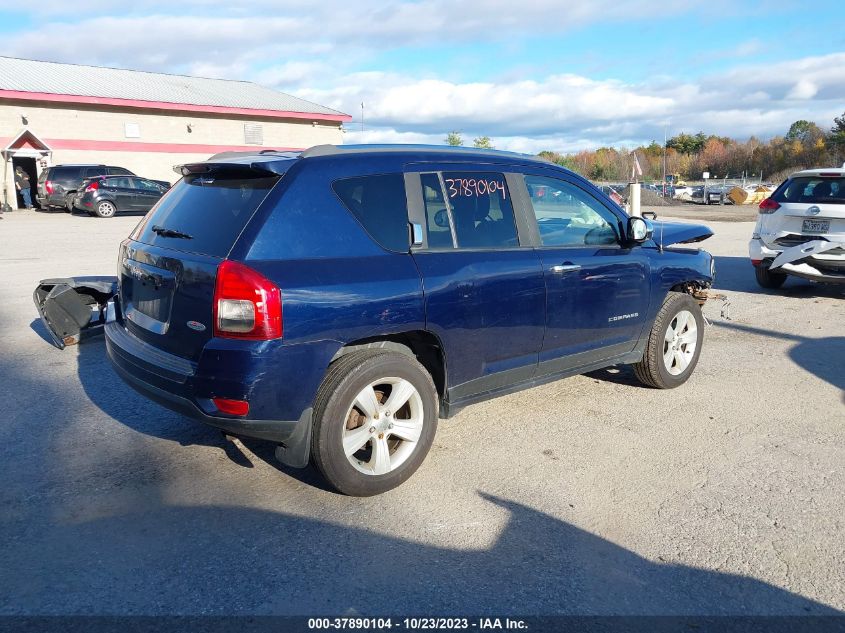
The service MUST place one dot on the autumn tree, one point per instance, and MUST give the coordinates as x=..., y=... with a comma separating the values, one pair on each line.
x=454, y=139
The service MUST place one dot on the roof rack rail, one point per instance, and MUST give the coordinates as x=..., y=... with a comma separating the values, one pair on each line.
x=337, y=150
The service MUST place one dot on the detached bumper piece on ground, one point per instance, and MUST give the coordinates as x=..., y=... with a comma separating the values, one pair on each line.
x=73, y=308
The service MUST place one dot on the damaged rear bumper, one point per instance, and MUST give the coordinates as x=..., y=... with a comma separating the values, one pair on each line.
x=74, y=308
x=170, y=381
x=815, y=260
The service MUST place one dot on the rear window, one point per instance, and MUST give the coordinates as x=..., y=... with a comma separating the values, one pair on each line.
x=380, y=205
x=811, y=189
x=211, y=209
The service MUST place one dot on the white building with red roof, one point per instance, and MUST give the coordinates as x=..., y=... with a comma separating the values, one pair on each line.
x=53, y=114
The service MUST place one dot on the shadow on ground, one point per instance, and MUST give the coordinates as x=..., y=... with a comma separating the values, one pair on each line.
x=822, y=357
x=87, y=533
x=161, y=559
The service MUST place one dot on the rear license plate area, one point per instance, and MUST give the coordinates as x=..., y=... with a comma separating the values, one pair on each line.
x=815, y=226
x=147, y=294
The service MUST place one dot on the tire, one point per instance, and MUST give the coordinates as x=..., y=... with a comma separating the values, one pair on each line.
x=673, y=348
x=105, y=209
x=380, y=460
x=768, y=279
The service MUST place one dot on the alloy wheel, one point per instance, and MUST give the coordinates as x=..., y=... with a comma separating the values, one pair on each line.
x=383, y=426
x=679, y=343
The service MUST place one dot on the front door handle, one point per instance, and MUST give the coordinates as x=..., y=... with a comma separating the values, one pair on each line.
x=565, y=268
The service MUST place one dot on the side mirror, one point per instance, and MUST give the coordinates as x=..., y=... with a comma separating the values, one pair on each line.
x=651, y=215
x=639, y=230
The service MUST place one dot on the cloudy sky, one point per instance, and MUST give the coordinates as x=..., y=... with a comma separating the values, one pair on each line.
x=533, y=75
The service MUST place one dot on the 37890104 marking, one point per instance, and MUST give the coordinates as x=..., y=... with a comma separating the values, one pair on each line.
x=469, y=187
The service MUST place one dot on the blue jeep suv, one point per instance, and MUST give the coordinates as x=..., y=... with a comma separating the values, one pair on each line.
x=339, y=301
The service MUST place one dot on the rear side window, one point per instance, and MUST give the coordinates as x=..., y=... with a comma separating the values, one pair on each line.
x=437, y=219
x=481, y=208
x=811, y=189
x=89, y=172
x=119, y=171
x=66, y=173
x=211, y=210
x=380, y=205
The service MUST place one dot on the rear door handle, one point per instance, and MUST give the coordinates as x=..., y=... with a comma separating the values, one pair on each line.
x=565, y=268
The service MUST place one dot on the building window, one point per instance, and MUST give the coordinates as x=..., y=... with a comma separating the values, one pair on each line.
x=132, y=130
x=253, y=134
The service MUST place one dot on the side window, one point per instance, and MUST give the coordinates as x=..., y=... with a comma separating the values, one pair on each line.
x=569, y=216
x=146, y=185
x=64, y=174
x=379, y=204
x=436, y=213
x=118, y=171
x=119, y=183
x=481, y=208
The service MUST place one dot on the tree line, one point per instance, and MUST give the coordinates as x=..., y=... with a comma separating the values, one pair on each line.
x=805, y=145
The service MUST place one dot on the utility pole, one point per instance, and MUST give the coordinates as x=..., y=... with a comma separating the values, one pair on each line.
x=665, y=134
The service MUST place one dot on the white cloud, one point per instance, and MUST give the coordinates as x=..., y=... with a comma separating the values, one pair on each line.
x=315, y=51
x=561, y=111
x=803, y=89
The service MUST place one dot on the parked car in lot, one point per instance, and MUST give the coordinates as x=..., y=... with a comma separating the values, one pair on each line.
x=339, y=301
x=800, y=230
x=104, y=196
x=57, y=185
x=716, y=194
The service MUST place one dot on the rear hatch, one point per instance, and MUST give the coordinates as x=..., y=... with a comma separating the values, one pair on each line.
x=168, y=267
x=811, y=207
x=42, y=179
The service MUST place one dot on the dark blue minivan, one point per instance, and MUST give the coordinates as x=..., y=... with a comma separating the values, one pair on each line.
x=339, y=301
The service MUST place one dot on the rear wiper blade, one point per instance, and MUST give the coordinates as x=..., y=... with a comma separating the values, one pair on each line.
x=164, y=232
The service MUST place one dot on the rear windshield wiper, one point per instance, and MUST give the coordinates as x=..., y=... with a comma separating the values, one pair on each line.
x=160, y=230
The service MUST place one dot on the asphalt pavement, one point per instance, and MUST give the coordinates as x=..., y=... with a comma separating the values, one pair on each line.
x=591, y=495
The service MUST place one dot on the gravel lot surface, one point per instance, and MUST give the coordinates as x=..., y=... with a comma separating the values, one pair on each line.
x=591, y=495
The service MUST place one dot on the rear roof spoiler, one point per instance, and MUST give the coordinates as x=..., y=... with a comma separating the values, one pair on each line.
x=266, y=161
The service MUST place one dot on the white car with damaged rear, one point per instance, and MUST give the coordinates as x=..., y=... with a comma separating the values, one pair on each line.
x=800, y=230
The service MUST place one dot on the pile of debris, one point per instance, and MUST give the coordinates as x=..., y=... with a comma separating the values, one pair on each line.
x=749, y=194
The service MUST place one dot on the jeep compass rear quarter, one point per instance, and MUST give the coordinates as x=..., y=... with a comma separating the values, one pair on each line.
x=338, y=302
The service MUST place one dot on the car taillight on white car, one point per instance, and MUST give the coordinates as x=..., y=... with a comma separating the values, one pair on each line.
x=769, y=206
x=246, y=304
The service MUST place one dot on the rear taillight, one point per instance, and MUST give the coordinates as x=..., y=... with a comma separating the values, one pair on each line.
x=769, y=206
x=48, y=187
x=246, y=304
x=93, y=186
